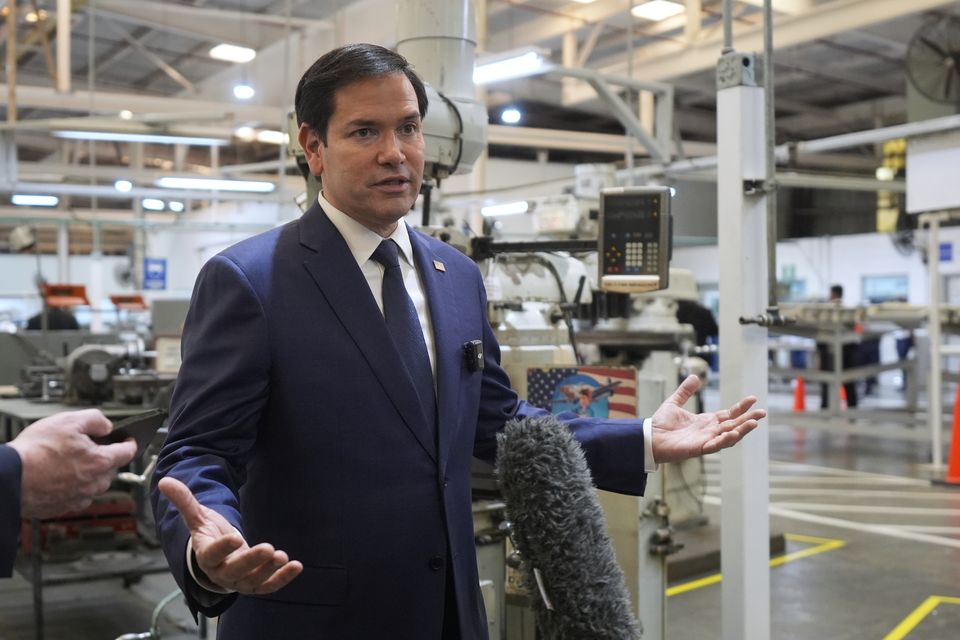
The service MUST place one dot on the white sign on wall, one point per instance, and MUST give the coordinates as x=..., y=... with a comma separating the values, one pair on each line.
x=933, y=172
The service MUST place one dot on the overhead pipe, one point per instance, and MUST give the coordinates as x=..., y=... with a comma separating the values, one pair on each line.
x=820, y=145
x=141, y=223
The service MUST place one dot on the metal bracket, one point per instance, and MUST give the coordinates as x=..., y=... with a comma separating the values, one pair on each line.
x=658, y=145
x=662, y=542
x=758, y=187
x=736, y=69
x=772, y=318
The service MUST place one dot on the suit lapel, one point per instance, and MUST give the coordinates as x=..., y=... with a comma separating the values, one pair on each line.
x=449, y=353
x=335, y=272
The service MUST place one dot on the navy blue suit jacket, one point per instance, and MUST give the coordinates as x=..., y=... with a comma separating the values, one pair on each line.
x=294, y=418
x=10, y=473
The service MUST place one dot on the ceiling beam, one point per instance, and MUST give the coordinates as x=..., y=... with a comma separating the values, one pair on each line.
x=245, y=28
x=576, y=18
x=789, y=7
x=576, y=141
x=665, y=60
x=853, y=117
x=159, y=62
x=112, y=103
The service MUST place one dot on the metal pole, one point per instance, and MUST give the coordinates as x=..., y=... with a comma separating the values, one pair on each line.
x=742, y=238
x=12, y=62
x=727, y=26
x=63, y=45
x=771, y=141
x=628, y=149
x=63, y=252
x=935, y=383
x=282, y=166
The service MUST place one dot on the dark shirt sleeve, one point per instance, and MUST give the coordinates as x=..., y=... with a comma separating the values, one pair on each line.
x=9, y=508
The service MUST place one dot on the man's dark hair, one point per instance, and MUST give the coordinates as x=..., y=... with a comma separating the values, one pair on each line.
x=836, y=292
x=317, y=89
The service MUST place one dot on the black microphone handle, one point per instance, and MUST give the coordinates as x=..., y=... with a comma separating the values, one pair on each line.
x=560, y=531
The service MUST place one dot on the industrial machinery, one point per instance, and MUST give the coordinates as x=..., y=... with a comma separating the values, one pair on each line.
x=551, y=313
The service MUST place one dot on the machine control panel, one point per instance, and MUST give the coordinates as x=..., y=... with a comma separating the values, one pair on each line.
x=634, y=240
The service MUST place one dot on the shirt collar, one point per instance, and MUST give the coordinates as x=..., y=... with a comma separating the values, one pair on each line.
x=361, y=241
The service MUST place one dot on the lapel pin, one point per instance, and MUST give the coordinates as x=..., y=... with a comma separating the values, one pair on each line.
x=439, y=266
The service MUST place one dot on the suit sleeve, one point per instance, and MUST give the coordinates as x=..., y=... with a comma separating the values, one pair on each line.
x=221, y=389
x=10, y=475
x=614, y=448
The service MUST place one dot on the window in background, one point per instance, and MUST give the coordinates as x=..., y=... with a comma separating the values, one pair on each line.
x=888, y=288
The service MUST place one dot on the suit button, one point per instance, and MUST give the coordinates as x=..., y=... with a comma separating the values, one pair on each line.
x=436, y=563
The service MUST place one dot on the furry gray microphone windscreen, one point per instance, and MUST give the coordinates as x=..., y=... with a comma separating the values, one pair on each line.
x=560, y=531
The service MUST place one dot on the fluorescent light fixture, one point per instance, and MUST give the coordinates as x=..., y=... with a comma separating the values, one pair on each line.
x=885, y=173
x=232, y=53
x=510, y=115
x=508, y=209
x=27, y=200
x=152, y=204
x=126, y=114
x=269, y=136
x=116, y=136
x=211, y=184
x=510, y=65
x=245, y=133
x=243, y=92
x=657, y=10
x=123, y=186
x=176, y=206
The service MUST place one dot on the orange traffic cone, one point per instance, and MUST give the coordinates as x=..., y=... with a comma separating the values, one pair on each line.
x=843, y=398
x=953, y=464
x=799, y=396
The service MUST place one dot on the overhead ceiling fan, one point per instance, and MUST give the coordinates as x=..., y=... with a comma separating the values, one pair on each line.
x=933, y=60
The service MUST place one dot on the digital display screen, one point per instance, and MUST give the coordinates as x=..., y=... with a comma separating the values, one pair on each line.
x=631, y=234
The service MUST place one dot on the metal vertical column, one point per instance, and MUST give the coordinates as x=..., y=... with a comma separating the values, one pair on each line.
x=742, y=223
x=935, y=381
x=63, y=252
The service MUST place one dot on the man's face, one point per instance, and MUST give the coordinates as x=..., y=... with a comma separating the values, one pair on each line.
x=372, y=163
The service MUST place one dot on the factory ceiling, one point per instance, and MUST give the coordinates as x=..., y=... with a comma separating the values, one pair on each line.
x=839, y=67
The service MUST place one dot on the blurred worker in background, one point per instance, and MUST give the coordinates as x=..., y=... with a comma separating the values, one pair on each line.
x=848, y=359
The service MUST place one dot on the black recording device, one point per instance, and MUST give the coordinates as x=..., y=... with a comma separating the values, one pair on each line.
x=473, y=352
x=141, y=427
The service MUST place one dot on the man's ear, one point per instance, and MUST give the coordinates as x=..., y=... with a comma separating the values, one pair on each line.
x=310, y=142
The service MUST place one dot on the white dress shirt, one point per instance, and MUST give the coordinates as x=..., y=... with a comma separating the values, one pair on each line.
x=362, y=242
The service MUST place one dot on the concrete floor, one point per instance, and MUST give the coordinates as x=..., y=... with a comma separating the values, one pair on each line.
x=869, y=541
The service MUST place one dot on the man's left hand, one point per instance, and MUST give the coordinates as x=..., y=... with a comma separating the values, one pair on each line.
x=679, y=434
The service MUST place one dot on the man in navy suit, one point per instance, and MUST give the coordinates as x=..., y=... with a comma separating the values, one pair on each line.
x=302, y=422
x=53, y=467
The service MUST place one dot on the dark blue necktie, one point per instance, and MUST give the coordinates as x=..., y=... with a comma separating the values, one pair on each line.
x=404, y=326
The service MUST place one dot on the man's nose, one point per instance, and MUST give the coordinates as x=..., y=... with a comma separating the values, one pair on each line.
x=391, y=151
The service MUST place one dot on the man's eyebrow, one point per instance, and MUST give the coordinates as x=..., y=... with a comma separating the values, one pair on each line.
x=359, y=122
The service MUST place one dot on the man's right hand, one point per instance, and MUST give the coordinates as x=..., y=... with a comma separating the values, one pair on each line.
x=62, y=468
x=222, y=553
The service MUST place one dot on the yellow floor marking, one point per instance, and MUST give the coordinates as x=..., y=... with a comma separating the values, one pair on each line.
x=821, y=545
x=921, y=612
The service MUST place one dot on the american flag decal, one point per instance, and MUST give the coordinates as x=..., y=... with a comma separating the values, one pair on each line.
x=600, y=392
